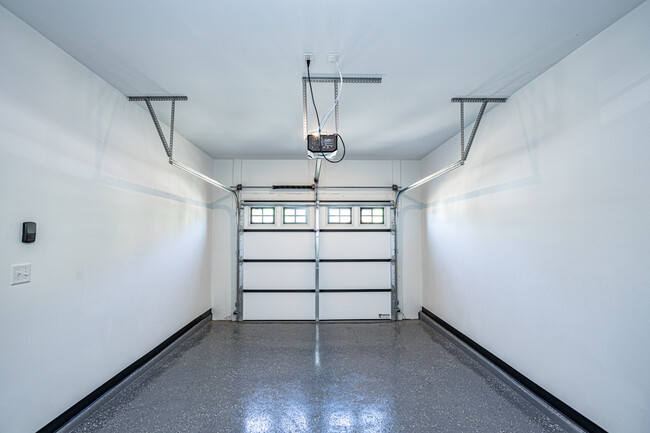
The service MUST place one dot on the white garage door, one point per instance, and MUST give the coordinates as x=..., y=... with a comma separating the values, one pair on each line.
x=295, y=266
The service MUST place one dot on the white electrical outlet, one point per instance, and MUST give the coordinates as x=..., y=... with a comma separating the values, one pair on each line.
x=333, y=57
x=309, y=56
x=21, y=274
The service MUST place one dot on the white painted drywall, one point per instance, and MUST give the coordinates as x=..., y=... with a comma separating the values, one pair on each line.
x=301, y=172
x=122, y=254
x=538, y=248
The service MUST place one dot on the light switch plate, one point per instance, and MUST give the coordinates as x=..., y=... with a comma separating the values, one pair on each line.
x=21, y=274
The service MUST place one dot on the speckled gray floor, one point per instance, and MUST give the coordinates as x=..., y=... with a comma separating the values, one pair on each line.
x=332, y=377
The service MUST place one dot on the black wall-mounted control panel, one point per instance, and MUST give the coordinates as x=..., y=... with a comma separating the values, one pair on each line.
x=328, y=143
x=29, y=232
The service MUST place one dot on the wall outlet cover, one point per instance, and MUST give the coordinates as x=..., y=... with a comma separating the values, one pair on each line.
x=21, y=274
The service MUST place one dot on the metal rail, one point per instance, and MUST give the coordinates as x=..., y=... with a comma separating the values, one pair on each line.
x=394, y=301
x=201, y=176
x=157, y=98
x=350, y=78
x=316, y=253
x=239, y=300
x=308, y=203
x=478, y=99
x=319, y=163
x=244, y=187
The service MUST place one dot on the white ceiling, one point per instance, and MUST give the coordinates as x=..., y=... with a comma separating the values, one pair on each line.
x=241, y=62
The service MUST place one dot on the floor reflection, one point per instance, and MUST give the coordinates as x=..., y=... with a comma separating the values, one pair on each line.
x=357, y=418
x=266, y=416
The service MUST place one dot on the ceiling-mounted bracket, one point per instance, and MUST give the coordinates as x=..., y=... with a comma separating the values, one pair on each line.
x=336, y=80
x=483, y=101
x=169, y=148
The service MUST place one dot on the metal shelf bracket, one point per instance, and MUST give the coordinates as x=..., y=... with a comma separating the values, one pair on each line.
x=464, y=151
x=169, y=148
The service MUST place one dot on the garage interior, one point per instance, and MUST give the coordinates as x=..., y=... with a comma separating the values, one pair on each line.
x=340, y=217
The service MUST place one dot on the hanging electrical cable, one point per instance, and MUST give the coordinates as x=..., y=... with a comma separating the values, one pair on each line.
x=311, y=90
x=327, y=115
x=338, y=97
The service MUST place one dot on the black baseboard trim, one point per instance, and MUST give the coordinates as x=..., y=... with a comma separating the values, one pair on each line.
x=540, y=392
x=82, y=404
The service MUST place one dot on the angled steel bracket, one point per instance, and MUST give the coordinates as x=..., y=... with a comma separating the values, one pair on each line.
x=336, y=80
x=169, y=148
x=483, y=101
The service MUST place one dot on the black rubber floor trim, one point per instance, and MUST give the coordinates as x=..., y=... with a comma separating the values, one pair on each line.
x=66, y=416
x=549, y=398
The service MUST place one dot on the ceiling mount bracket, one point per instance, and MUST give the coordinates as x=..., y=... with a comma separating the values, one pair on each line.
x=169, y=148
x=335, y=79
x=464, y=151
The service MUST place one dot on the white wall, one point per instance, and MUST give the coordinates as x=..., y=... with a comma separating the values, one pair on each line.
x=301, y=172
x=538, y=248
x=122, y=254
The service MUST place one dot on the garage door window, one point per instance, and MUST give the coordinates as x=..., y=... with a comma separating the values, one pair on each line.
x=339, y=215
x=294, y=215
x=262, y=215
x=372, y=215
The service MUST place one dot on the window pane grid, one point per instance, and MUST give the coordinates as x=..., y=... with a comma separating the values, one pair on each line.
x=293, y=215
x=338, y=215
x=262, y=215
x=372, y=215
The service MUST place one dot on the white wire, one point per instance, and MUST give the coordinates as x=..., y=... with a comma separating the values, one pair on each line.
x=336, y=101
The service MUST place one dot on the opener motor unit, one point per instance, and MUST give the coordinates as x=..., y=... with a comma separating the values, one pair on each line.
x=326, y=147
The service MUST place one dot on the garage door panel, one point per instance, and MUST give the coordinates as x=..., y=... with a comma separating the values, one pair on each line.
x=279, y=275
x=355, y=275
x=355, y=245
x=341, y=306
x=279, y=245
x=279, y=306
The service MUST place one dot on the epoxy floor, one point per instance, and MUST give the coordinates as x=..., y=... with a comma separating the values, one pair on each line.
x=332, y=377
